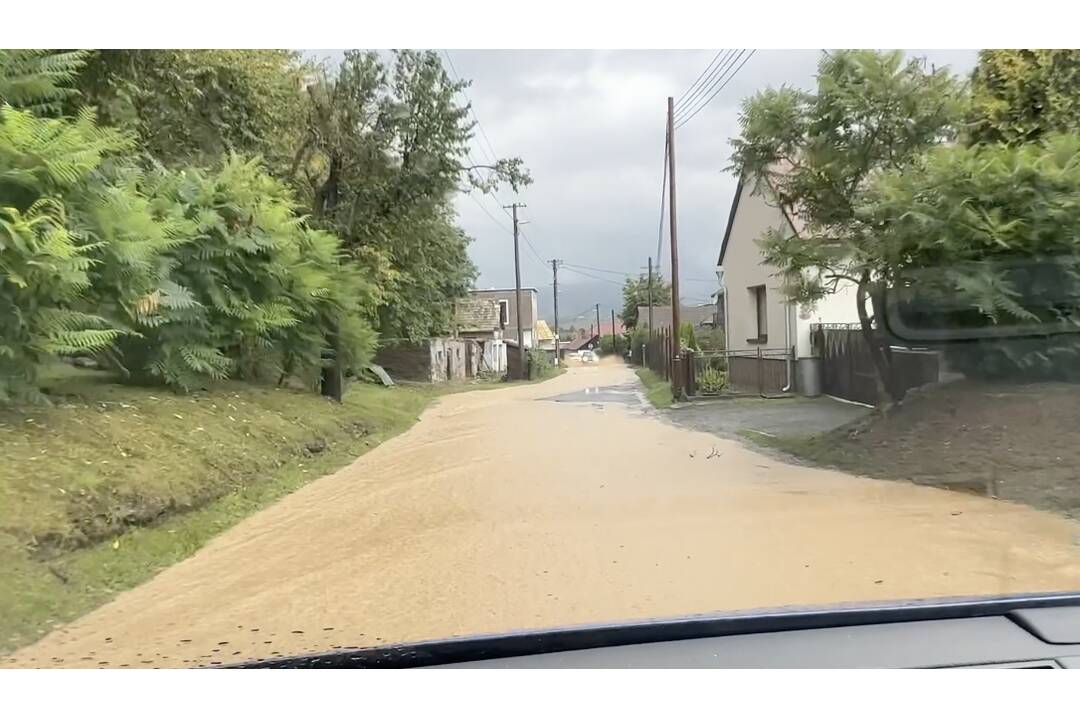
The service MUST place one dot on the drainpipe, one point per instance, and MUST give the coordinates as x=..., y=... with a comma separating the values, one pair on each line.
x=787, y=347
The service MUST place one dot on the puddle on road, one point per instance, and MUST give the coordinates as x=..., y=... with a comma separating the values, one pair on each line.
x=625, y=394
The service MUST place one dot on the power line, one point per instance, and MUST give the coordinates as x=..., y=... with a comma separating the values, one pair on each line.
x=472, y=111
x=594, y=277
x=712, y=83
x=715, y=92
x=603, y=270
x=698, y=79
x=663, y=196
x=492, y=156
x=705, y=85
x=486, y=212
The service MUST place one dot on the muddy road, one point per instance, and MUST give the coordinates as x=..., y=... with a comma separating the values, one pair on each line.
x=556, y=504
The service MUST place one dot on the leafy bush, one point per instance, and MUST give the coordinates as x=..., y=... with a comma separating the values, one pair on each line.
x=44, y=259
x=613, y=345
x=962, y=209
x=712, y=380
x=540, y=364
x=172, y=276
x=240, y=286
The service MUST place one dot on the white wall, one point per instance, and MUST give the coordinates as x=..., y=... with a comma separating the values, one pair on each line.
x=743, y=268
x=839, y=307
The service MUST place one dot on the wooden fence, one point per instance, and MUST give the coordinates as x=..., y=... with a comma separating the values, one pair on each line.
x=658, y=353
x=847, y=369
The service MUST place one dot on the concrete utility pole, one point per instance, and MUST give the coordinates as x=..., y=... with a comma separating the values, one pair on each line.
x=599, y=329
x=676, y=360
x=650, y=297
x=555, y=295
x=523, y=371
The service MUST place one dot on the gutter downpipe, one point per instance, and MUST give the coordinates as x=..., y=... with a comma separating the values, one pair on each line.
x=787, y=347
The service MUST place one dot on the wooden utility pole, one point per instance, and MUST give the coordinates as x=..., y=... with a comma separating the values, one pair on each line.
x=599, y=329
x=614, y=347
x=555, y=297
x=676, y=360
x=650, y=297
x=523, y=371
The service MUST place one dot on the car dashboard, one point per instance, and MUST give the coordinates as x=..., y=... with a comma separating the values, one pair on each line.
x=1033, y=631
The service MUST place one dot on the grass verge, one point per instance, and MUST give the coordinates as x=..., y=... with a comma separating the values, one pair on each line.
x=113, y=483
x=657, y=389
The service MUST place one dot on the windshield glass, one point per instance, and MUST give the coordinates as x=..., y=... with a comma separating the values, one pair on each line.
x=305, y=351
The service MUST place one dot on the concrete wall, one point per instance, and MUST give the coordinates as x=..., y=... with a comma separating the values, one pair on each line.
x=442, y=359
x=448, y=359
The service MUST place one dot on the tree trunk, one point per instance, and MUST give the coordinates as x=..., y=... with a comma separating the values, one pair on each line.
x=880, y=352
x=332, y=382
x=327, y=197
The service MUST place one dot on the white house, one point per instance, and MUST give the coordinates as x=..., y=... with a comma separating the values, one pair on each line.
x=758, y=315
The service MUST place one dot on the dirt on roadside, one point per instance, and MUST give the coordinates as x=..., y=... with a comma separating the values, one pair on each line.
x=1013, y=441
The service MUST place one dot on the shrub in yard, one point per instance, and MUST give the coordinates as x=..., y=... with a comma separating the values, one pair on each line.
x=540, y=365
x=712, y=380
x=962, y=217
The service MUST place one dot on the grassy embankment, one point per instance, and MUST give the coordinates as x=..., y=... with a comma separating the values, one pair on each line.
x=112, y=483
x=657, y=389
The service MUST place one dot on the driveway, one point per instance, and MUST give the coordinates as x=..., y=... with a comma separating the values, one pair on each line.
x=555, y=504
x=784, y=416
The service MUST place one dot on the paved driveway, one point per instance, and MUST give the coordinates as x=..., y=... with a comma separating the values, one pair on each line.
x=787, y=416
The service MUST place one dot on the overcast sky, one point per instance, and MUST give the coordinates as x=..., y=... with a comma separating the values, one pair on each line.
x=590, y=127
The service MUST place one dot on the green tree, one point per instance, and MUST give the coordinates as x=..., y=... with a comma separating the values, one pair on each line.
x=814, y=154
x=383, y=151
x=1018, y=96
x=193, y=107
x=636, y=293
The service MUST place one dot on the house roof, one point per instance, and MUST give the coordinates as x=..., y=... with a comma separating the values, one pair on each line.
x=543, y=332
x=476, y=314
x=578, y=343
x=694, y=314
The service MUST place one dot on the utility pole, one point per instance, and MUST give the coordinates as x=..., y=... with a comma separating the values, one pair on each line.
x=555, y=294
x=650, y=297
x=614, y=347
x=599, y=330
x=523, y=371
x=676, y=360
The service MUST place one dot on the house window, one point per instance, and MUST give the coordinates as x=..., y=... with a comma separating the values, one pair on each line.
x=504, y=312
x=761, y=313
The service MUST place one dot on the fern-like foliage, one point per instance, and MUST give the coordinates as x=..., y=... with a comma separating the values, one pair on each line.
x=38, y=80
x=43, y=275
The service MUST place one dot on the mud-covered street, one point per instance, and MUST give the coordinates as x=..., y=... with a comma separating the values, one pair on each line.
x=557, y=503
